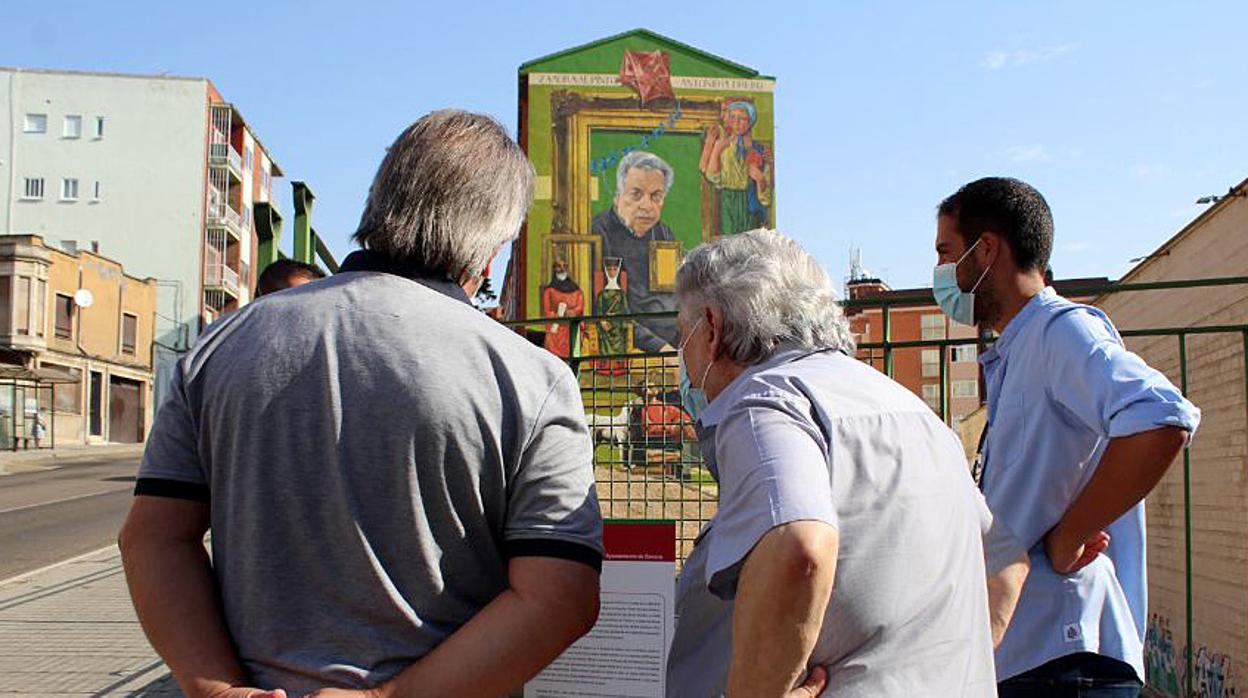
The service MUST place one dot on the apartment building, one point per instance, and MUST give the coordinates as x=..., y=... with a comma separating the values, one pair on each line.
x=75, y=347
x=159, y=173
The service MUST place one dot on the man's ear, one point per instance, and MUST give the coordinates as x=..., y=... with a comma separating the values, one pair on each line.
x=715, y=321
x=993, y=246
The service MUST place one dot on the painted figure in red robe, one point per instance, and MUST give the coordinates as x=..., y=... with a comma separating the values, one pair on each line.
x=561, y=298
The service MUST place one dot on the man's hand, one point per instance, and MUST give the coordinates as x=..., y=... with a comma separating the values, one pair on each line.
x=816, y=681
x=1069, y=556
x=244, y=692
x=348, y=693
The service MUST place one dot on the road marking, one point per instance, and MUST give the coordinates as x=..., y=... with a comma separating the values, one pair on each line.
x=54, y=565
x=59, y=501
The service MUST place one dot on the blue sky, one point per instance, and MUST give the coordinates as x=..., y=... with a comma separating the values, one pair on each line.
x=1122, y=114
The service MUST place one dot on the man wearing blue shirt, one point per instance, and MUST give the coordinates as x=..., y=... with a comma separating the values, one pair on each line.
x=1079, y=431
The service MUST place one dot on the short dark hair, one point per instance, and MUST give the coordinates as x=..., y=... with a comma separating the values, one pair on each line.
x=278, y=274
x=1009, y=207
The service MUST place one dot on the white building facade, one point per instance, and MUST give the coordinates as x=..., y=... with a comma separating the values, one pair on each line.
x=158, y=173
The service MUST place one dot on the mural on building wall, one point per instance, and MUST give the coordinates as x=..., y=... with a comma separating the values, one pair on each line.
x=643, y=148
x=1213, y=673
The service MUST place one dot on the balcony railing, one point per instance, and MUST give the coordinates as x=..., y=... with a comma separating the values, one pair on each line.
x=217, y=275
x=221, y=214
x=224, y=154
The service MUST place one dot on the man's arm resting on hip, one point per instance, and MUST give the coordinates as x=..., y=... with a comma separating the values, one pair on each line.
x=1004, y=588
x=1129, y=469
x=782, y=595
x=548, y=604
x=174, y=593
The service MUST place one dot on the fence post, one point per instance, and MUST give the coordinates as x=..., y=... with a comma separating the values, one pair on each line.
x=1187, y=521
x=888, y=340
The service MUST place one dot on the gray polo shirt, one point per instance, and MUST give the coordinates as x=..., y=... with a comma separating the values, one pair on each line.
x=374, y=450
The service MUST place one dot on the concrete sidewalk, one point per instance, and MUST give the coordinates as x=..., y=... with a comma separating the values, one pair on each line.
x=13, y=462
x=69, y=630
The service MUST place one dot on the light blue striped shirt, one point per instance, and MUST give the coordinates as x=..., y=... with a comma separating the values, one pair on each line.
x=1060, y=386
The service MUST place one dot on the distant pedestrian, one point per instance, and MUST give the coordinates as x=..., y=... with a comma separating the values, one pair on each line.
x=286, y=273
x=38, y=429
x=1079, y=431
x=400, y=490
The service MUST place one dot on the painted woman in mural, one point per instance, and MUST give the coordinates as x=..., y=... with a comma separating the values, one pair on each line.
x=739, y=168
x=612, y=334
x=562, y=297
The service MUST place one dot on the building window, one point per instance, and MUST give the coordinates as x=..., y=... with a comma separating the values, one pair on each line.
x=267, y=185
x=6, y=305
x=966, y=388
x=21, y=306
x=69, y=189
x=931, y=363
x=64, y=317
x=129, y=333
x=33, y=188
x=931, y=395
x=35, y=123
x=97, y=194
x=99, y=127
x=97, y=404
x=73, y=126
x=933, y=326
x=41, y=305
x=965, y=354
x=248, y=154
x=247, y=217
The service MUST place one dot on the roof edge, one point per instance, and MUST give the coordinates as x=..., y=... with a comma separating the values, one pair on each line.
x=1238, y=190
x=641, y=31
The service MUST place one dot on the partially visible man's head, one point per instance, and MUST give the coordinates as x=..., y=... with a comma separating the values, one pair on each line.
x=286, y=273
x=452, y=189
x=769, y=291
x=1011, y=209
x=641, y=185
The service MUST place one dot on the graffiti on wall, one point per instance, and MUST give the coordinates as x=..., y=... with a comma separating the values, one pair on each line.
x=1213, y=673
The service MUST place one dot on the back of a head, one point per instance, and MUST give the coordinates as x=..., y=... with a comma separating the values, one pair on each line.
x=281, y=274
x=1010, y=208
x=451, y=190
x=770, y=291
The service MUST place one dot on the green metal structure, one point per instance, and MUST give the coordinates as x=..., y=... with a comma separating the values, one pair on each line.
x=308, y=246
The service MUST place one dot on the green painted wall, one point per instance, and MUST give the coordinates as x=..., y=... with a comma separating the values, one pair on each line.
x=682, y=210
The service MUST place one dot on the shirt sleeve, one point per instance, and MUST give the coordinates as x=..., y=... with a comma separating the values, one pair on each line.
x=773, y=470
x=171, y=465
x=1107, y=388
x=552, y=506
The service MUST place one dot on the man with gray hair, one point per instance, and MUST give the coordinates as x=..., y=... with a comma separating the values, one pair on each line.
x=827, y=470
x=628, y=228
x=400, y=490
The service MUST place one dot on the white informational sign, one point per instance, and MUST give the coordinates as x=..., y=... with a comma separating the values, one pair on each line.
x=625, y=654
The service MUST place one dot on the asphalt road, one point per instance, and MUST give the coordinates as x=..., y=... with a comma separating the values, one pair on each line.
x=53, y=515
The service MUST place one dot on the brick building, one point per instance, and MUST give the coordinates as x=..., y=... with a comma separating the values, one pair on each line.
x=1215, y=244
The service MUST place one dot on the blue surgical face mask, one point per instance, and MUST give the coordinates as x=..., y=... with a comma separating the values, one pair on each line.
x=692, y=399
x=959, y=305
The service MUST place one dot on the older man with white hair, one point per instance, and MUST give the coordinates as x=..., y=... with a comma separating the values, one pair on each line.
x=400, y=490
x=848, y=550
x=628, y=228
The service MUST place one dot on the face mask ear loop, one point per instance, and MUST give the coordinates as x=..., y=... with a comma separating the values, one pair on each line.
x=968, y=251
x=705, y=374
x=981, y=278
